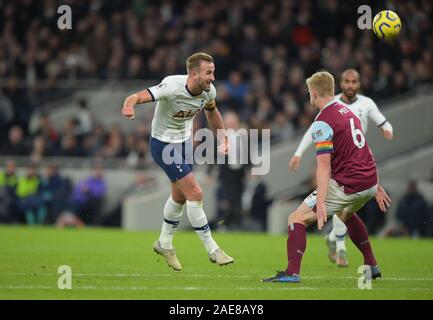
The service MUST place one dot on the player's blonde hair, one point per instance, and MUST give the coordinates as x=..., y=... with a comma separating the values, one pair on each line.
x=323, y=83
x=194, y=61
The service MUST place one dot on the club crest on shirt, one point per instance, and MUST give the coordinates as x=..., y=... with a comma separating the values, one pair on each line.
x=317, y=134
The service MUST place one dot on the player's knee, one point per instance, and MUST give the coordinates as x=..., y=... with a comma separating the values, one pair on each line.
x=195, y=194
x=295, y=217
x=178, y=197
x=344, y=216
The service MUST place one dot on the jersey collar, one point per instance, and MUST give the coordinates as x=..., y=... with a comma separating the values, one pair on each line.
x=330, y=103
x=356, y=99
x=190, y=93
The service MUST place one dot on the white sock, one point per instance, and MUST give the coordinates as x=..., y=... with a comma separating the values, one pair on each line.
x=199, y=222
x=331, y=235
x=339, y=229
x=172, y=213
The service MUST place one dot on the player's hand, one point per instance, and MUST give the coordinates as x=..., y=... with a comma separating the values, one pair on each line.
x=294, y=163
x=382, y=199
x=128, y=109
x=224, y=146
x=387, y=134
x=322, y=215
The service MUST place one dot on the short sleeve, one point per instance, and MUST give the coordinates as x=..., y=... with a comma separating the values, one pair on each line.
x=322, y=135
x=162, y=91
x=375, y=115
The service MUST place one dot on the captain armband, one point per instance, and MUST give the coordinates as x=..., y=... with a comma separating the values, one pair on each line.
x=210, y=106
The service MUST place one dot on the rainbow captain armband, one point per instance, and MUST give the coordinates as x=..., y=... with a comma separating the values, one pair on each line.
x=324, y=147
x=210, y=106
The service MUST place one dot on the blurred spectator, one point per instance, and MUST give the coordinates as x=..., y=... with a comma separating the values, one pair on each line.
x=16, y=145
x=46, y=130
x=39, y=149
x=6, y=114
x=231, y=176
x=30, y=200
x=413, y=212
x=84, y=118
x=256, y=202
x=86, y=201
x=236, y=87
x=55, y=191
x=8, y=199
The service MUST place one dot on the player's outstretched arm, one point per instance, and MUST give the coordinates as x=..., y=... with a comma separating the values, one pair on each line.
x=216, y=122
x=134, y=99
x=323, y=175
x=380, y=120
x=306, y=141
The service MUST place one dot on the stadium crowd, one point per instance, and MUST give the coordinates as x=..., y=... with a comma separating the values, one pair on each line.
x=263, y=52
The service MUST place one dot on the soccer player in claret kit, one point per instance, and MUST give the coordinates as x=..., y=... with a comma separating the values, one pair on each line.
x=366, y=109
x=346, y=179
x=179, y=99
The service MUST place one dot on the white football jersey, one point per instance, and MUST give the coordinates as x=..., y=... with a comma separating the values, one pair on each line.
x=176, y=108
x=364, y=108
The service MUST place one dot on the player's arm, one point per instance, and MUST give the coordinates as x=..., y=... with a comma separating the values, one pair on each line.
x=216, y=122
x=323, y=174
x=380, y=120
x=382, y=198
x=306, y=141
x=131, y=101
x=322, y=135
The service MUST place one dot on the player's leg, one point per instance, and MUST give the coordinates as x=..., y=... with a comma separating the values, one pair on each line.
x=299, y=220
x=358, y=232
x=335, y=240
x=173, y=211
x=339, y=229
x=193, y=193
x=174, y=205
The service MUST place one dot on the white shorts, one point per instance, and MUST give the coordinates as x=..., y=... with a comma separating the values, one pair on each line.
x=336, y=201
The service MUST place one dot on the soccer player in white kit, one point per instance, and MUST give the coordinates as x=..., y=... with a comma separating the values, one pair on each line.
x=179, y=99
x=365, y=109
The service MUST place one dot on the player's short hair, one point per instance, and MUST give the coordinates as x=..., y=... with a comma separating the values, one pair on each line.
x=323, y=83
x=347, y=71
x=194, y=61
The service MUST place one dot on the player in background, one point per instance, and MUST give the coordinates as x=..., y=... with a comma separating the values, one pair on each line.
x=179, y=99
x=365, y=109
x=346, y=179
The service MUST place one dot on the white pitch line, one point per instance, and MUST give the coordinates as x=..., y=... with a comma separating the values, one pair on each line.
x=145, y=288
x=179, y=275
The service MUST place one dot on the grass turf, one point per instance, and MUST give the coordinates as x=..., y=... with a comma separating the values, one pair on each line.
x=115, y=264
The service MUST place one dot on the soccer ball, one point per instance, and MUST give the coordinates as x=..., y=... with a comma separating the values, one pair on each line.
x=386, y=24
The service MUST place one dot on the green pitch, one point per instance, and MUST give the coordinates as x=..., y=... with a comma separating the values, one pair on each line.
x=112, y=264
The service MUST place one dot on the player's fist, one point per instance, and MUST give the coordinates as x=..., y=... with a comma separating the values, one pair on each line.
x=224, y=146
x=387, y=134
x=128, y=111
x=294, y=163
